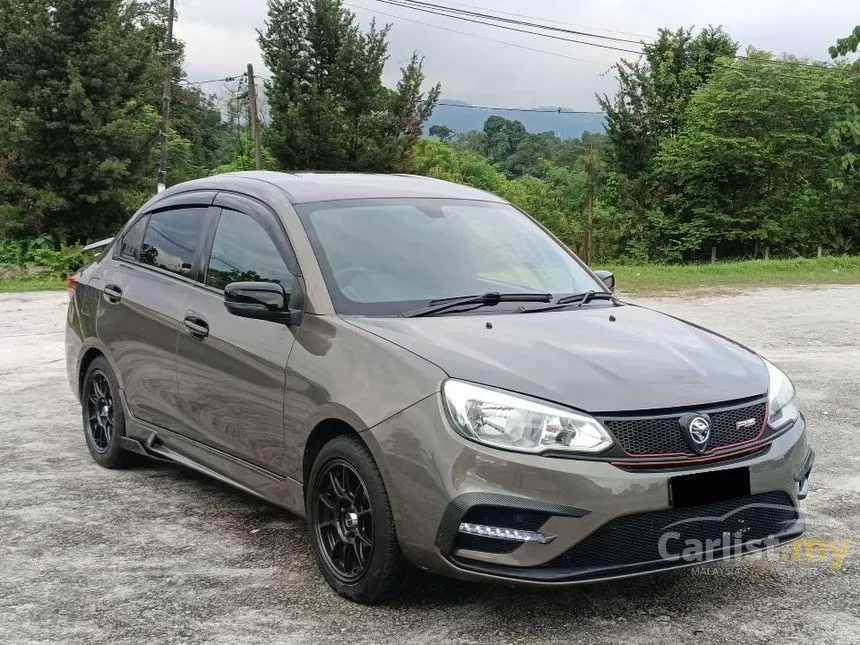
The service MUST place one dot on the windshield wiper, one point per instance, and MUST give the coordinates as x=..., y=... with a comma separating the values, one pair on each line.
x=484, y=300
x=578, y=299
x=585, y=298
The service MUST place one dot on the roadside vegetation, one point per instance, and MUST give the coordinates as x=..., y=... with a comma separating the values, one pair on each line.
x=633, y=279
x=734, y=276
x=711, y=157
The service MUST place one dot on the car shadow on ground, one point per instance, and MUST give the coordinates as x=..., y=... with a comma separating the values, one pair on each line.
x=669, y=593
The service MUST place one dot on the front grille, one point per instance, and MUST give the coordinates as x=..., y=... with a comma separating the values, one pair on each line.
x=635, y=539
x=498, y=516
x=641, y=436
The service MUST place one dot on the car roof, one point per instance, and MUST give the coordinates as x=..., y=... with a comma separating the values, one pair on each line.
x=303, y=187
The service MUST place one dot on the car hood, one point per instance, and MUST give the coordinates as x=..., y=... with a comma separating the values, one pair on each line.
x=598, y=359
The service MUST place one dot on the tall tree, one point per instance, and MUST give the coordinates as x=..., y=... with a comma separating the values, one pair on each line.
x=846, y=131
x=503, y=137
x=81, y=138
x=531, y=153
x=749, y=171
x=654, y=92
x=329, y=108
x=442, y=132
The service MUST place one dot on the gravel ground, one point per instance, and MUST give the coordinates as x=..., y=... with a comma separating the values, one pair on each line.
x=159, y=554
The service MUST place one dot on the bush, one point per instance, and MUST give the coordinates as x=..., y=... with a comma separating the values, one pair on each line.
x=61, y=261
x=20, y=252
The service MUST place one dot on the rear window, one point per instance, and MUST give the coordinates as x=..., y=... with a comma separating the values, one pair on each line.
x=171, y=239
x=129, y=247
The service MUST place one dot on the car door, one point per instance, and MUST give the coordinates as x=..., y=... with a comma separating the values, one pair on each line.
x=143, y=292
x=232, y=370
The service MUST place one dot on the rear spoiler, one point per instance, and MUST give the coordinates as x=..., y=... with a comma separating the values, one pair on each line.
x=95, y=246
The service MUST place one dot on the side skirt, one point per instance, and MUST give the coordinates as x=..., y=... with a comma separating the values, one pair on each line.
x=165, y=445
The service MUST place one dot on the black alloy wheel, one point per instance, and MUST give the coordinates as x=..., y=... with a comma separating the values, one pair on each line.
x=101, y=422
x=351, y=525
x=103, y=416
x=344, y=521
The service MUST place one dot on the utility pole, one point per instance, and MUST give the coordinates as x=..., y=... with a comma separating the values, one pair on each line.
x=591, y=165
x=253, y=120
x=165, y=104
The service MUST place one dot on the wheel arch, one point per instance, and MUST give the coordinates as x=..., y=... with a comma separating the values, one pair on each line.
x=91, y=350
x=323, y=432
x=87, y=359
x=329, y=428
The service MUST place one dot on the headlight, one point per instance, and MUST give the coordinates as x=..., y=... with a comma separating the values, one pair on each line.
x=508, y=421
x=782, y=403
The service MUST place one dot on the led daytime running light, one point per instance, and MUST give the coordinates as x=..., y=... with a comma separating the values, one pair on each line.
x=502, y=533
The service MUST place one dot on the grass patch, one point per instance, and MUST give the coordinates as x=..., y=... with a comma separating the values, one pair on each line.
x=647, y=278
x=38, y=282
x=652, y=278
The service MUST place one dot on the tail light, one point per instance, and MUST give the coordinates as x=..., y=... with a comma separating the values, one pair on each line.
x=73, y=285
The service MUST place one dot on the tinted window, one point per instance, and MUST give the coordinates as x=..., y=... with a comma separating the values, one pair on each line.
x=243, y=251
x=386, y=257
x=130, y=245
x=512, y=252
x=171, y=239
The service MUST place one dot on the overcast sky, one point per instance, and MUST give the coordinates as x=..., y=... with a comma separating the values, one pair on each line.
x=220, y=38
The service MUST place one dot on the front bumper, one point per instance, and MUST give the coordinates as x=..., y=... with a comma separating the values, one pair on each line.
x=434, y=477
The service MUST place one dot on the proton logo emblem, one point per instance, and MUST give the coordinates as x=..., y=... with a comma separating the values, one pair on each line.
x=697, y=431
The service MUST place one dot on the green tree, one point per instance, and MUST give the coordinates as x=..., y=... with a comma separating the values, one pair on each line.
x=442, y=132
x=471, y=141
x=411, y=108
x=654, y=92
x=845, y=133
x=329, y=108
x=569, y=151
x=78, y=148
x=503, y=137
x=749, y=170
x=530, y=153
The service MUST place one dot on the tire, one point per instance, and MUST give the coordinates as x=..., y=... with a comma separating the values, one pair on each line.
x=339, y=534
x=103, y=417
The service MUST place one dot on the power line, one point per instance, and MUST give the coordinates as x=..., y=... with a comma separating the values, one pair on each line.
x=553, y=22
x=472, y=35
x=497, y=18
x=513, y=109
x=508, y=27
x=487, y=20
x=226, y=79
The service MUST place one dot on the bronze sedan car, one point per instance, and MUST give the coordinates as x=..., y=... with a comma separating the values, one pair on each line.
x=430, y=378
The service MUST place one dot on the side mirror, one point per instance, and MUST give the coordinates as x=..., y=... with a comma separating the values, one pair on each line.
x=608, y=278
x=260, y=301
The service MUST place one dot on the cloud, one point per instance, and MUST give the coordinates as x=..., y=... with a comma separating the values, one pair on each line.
x=220, y=37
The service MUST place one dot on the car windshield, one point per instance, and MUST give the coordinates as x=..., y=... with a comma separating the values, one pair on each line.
x=387, y=257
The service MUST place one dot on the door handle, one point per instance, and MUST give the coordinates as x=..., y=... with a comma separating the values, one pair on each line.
x=112, y=293
x=198, y=327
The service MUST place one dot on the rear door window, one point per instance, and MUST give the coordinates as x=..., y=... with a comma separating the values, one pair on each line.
x=172, y=239
x=129, y=247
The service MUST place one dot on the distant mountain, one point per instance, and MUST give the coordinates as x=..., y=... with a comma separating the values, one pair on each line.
x=565, y=125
